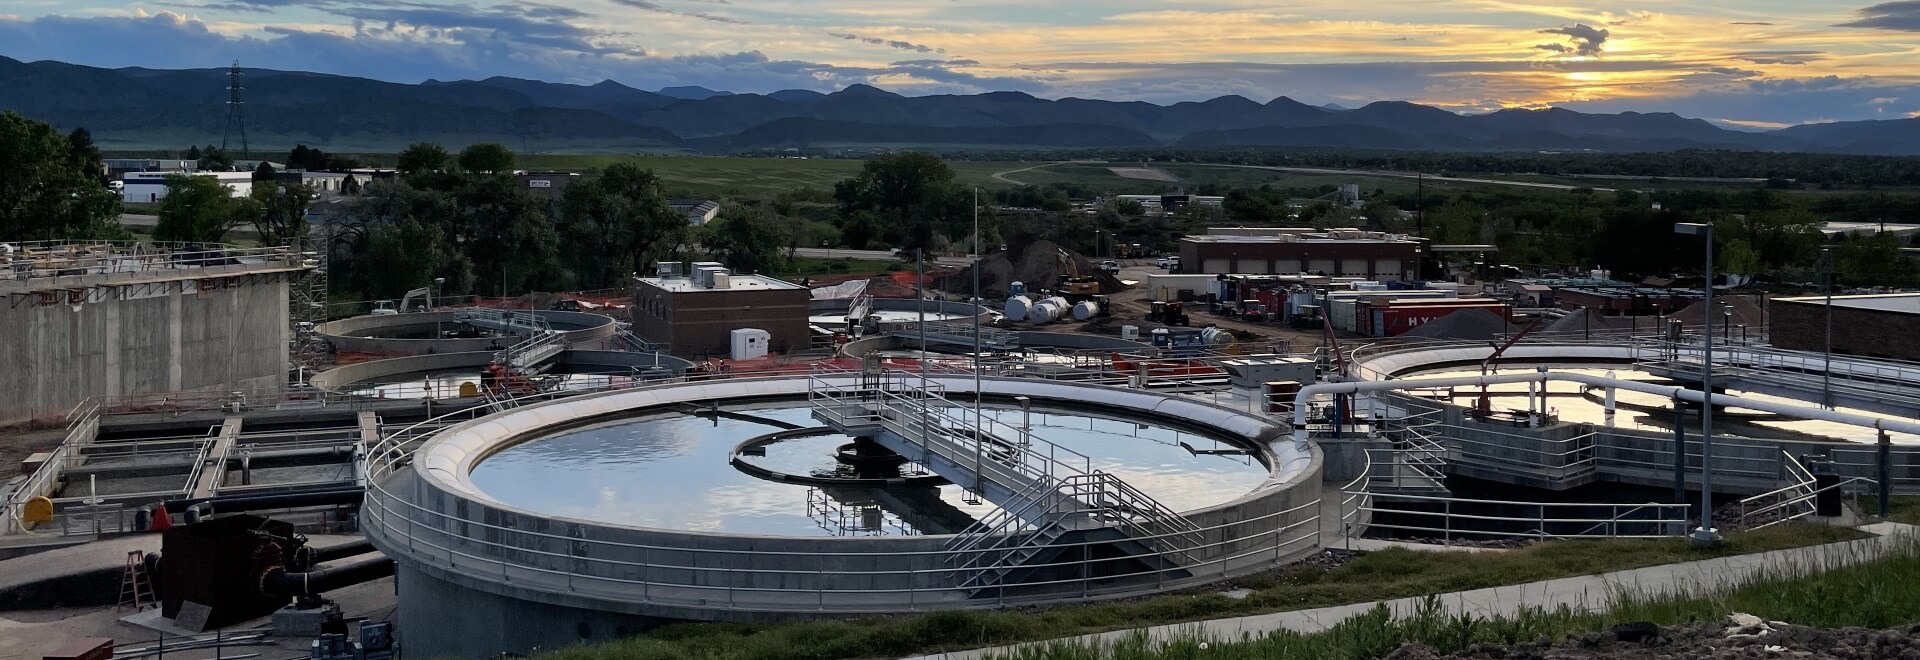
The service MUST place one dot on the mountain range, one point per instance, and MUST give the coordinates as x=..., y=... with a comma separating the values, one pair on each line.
x=137, y=108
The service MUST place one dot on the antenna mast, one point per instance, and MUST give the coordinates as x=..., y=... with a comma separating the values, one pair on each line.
x=236, y=113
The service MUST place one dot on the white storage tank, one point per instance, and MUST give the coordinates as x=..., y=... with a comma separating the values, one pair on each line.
x=1048, y=310
x=1086, y=310
x=1215, y=337
x=750, y=343
x=1018, y=307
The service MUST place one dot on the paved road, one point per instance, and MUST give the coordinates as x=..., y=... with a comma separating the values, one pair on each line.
x=1587, y=593
x=1404, y=175
x=1002, y=176
x=139, y=220
x=1394, y=174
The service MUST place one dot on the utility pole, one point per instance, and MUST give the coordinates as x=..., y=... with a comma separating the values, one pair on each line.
x=979, y=443
x=1420, y=205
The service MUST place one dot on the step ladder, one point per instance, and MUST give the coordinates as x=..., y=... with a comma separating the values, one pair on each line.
x=135, y=590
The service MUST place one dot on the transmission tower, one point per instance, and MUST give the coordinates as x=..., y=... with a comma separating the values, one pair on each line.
x=236, y=113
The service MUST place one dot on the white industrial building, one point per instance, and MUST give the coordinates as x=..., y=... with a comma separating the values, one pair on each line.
x=149, y=187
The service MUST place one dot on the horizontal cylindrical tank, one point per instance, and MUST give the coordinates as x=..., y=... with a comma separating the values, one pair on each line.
x=1215, y=336
x=1018, y=307
x=1048, y=310
x=1086, y=310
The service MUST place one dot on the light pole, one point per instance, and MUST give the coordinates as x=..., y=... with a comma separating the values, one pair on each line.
x=433, y=293
x=1706, y=535
x=979, y=443
x=1826, y=373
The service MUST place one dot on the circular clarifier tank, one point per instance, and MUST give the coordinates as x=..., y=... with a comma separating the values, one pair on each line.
x=671, y=470
x=1574, y=402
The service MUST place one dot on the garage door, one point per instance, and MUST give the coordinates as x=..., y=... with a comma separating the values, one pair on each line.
x=1354, y=267
x=1214, y=266
x=1388, y=269
x=1320, y=266
x=1253, y=266
x=1287, y=266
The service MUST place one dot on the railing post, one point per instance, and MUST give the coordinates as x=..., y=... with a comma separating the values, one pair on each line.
x=1885, y=461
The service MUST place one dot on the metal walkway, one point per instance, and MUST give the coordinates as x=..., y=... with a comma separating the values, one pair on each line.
x=1880, y=386
x=1046, y=494
x=951, y=333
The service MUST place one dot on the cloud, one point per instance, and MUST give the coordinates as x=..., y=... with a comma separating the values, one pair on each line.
x=1554, y=48
x=1784, y=57
x=657, y=7
x=1587, y=41
x=1903, y=15
x=890, y=43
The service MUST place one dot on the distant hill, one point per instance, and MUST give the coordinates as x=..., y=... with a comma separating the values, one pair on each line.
x=134, y=108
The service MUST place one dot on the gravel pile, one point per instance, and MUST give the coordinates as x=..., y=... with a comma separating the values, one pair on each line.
x=1036, y=264
x=1739, y=636
x=1470, y=324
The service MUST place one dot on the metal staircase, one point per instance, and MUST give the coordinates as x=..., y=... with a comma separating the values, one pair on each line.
x=1037, y=485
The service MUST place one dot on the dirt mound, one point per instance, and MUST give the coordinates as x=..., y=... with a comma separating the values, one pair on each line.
x=1581, y=320
x=1036, y=264
x=1472, y=324
x=1745, y=312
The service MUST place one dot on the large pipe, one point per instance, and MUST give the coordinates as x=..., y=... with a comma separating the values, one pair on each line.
x=239, y=503
x=278, y=582
x=1680, y=393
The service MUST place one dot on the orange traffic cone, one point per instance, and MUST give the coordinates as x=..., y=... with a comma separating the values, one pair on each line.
x=161, y=521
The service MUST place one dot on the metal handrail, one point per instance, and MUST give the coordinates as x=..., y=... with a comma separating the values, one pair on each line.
x=1673, y=521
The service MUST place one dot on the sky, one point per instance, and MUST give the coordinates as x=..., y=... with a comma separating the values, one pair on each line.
x=1742, y=63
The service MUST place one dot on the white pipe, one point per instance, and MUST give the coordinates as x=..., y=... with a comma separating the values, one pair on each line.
x=1611, y=406
x=1667, y=392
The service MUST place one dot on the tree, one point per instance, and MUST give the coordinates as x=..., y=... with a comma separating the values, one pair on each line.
x=282, y=210
x=914, y=196
x=264, y=172
x=304, y=157
x=1130, y=208
x=350, y=186
x=215, y=159
x=748, y=239
x=200, y=209
x=45, y=193
x=193, y=153
x=486, y=158
x=83, y=155
x=422, y=158
x=1739, y=258
x=619, y=223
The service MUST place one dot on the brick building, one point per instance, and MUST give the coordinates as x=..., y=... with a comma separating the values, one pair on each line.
x=1882, y=326
x=694, y=313
x=1345, y=253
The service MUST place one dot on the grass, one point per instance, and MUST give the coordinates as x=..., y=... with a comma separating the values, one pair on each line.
x=1904, y=509
x=1373, y=577
x=725, y=176
x=1853, y=595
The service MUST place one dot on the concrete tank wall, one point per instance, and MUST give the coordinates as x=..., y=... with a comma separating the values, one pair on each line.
x=348, y=335
x=146, y=338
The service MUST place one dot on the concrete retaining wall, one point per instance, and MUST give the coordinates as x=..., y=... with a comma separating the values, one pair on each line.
x=348, y=335
x=219, y=334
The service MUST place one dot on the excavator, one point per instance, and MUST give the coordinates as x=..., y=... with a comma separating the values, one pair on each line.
x=1072, y=285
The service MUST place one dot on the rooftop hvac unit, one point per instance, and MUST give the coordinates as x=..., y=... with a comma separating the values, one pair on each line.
x=720, y=279
x=669, y=270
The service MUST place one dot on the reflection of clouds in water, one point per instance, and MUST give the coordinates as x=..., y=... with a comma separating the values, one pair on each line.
x=1580, y=410
x=671, y=470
